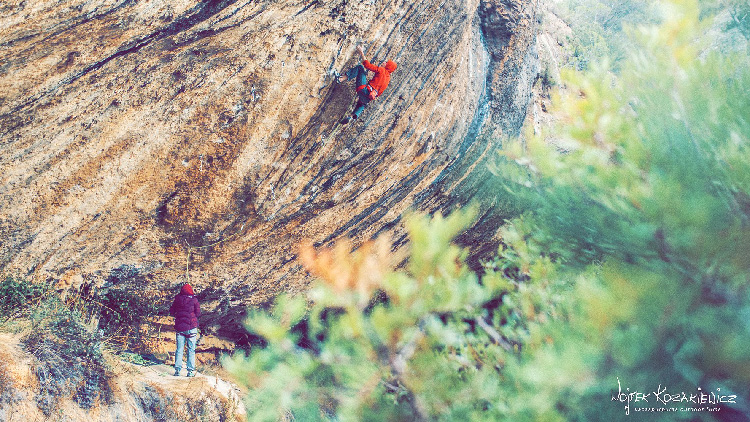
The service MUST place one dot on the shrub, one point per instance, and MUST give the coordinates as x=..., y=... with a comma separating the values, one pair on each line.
x=17, y=294
x=598, y=28
x=123, y=308
x=415, y=344
x=646, y=215
x=69, y=359
x=126, y=304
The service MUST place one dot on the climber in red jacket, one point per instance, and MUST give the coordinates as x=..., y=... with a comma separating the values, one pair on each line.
x=367, y=91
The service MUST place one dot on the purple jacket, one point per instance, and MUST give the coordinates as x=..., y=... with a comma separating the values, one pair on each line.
x=185, y=310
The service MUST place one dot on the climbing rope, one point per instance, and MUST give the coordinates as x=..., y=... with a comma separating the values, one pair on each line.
x=191, y=247
x=187, y=265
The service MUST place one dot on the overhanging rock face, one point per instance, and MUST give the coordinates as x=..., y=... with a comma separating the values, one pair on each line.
x=130, y=130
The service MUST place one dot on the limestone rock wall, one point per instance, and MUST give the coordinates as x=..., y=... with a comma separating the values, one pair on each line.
x=136, y=133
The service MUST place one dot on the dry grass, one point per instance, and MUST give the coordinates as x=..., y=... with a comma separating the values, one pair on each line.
x=8, y=382
x=17, y=382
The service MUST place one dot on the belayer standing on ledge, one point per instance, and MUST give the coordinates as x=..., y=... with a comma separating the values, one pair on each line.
x=185, y=309
x=367, y=91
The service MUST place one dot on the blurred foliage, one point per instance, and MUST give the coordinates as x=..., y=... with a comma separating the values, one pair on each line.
x=599, y=27
x=737, y=11
x=414, y=344
x=645, y=192
x=602, y=29
x=629, y=270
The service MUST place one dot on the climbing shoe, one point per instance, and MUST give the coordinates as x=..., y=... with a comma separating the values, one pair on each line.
x=191, y=374
x=177, y=372
x=346, y=120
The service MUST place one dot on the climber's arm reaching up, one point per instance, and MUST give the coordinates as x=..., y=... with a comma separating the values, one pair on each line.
x=366, y=63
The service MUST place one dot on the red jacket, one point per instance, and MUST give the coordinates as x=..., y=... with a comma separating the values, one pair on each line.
x=185, y=310
x=382, y=77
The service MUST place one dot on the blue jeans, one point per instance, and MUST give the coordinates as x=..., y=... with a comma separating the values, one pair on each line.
x=191, y=342
x=359, y=74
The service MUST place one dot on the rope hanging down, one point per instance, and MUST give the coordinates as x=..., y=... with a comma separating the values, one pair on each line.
x=191, y=247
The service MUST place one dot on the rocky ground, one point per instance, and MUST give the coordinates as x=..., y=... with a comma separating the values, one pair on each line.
x=134, y=393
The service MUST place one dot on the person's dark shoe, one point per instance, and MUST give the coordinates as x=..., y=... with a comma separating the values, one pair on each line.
x=345, y=120
x=191, y=374
x=177, y=372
